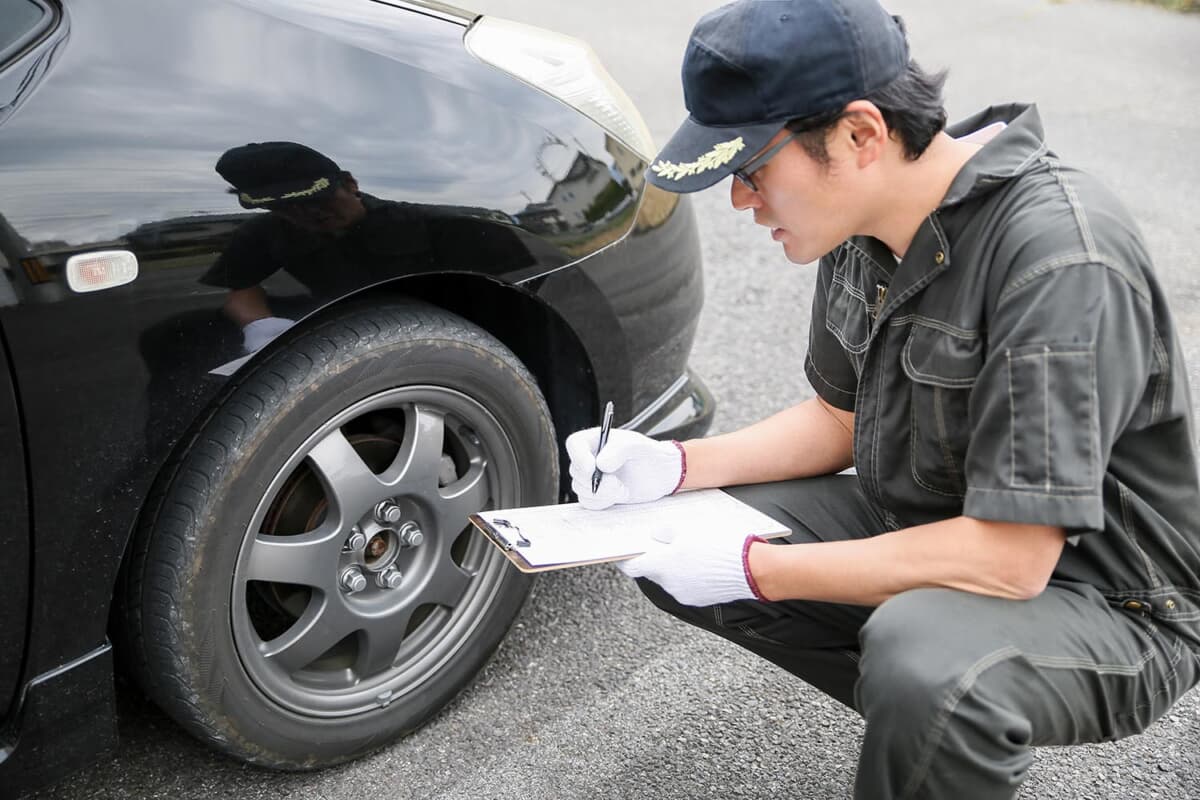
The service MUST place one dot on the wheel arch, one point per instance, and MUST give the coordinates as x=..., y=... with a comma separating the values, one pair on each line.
x=536, y=333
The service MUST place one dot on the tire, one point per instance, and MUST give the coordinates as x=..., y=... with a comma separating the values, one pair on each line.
x=242, y=612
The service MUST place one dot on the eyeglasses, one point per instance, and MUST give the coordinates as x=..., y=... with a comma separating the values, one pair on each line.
x=755, y=164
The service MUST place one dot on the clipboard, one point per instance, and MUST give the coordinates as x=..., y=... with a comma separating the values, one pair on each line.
x=544, y=538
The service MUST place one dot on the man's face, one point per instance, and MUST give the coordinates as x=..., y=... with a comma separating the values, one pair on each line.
x=809, y=207
x=335, y=212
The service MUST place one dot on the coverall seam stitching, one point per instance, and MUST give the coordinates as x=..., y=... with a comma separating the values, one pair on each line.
x=1062, y=493
x=812, y=362
x=944, y=436
x=1046, y=415
x=872, y=262
x=856, y=349
x=1049, y=352
x=1160, y=387
x=929, y=378
x=912, y=456
x=1084, y=229
x=835, y=329
x=1012, y=422
x=1030, y=275
x=840, y=280
x=1045, y=354
x=997, y=657
x=930, y=322
x=943, y=717
x=1131, y=534
x=1159, y=591
x=875, y=427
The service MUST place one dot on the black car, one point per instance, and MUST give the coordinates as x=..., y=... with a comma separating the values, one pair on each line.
x=289, y=289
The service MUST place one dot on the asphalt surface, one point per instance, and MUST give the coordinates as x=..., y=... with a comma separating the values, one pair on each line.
x=596, y=695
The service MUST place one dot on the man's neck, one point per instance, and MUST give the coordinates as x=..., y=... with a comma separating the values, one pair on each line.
x=918, y=188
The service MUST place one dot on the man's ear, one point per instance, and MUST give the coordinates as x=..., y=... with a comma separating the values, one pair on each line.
x=866, y=132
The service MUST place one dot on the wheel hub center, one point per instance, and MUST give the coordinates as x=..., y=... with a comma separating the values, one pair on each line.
x=376, y=547
x=381, y=550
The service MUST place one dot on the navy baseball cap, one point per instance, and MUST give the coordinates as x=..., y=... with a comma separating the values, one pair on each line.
x=753, y=65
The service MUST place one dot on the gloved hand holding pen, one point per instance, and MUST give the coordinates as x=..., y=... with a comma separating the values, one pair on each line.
x=637, y=469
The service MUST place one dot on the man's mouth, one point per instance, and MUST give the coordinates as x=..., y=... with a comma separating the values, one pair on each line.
x=777, y=233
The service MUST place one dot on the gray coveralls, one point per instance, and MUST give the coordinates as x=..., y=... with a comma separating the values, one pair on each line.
x=1019, y=364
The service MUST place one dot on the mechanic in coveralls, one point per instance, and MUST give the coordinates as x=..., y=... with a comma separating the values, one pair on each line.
x=1017, y=560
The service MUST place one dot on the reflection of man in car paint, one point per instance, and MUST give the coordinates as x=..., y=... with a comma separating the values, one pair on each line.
x=322, y=230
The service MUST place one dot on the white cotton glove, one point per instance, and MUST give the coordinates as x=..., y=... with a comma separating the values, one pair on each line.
x=699, y=568
x=258, y=334
x=637, y=469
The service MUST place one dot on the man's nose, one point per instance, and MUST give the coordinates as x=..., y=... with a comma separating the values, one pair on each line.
x=741, y=196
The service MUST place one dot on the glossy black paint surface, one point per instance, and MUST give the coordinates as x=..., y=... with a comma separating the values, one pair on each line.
x=68, y=717
x=14, y=539
x=522, y=215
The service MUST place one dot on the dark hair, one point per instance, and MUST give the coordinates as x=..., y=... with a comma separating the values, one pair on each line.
x=912, y=108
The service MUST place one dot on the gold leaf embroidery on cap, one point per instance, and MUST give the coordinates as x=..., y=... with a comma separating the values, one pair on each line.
x=320, y=184
x=719, y=156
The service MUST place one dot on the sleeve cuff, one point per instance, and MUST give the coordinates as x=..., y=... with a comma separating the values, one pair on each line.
x=1079, y=511
x=834, y=395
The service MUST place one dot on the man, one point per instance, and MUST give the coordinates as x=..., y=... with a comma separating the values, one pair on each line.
x=321, y=230
x=332, y=238
x=1017, y=561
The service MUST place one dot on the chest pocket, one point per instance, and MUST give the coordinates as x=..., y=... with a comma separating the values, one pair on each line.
x=942, y=367
x=848, y=317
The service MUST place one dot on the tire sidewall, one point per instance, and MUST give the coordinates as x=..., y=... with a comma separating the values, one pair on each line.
x=291, y=395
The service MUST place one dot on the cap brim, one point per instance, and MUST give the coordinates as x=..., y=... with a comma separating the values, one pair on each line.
x=698, y=157
x=288, y=192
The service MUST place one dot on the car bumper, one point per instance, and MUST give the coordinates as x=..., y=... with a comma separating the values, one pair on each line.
x=64, y=720
x=683, y=411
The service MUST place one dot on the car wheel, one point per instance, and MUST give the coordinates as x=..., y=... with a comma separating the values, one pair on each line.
x=306, y=586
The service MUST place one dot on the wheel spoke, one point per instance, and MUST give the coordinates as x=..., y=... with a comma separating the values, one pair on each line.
x=319, y=628
x=349, y=481
x=420, y=457
x=309, y=559
x=446, y=586
x=379, y=641
x=464, y=497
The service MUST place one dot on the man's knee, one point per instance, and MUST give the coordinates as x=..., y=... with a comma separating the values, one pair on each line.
x=914, y=651
x=695, y=615
x=938, y=700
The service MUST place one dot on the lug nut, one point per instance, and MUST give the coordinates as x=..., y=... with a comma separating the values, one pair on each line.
x=353, y=580
x=357, y=540
x=410, y=534
x=390, y=578
x=387, y=512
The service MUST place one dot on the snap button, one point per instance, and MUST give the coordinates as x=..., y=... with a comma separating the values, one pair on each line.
x=1134, y=605
x=939, y=257
x=1170, y=604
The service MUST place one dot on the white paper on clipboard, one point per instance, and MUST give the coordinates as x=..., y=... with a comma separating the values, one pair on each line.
x=549, y=537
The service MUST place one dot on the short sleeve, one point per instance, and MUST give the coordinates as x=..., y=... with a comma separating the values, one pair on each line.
x=827, y=364
x=1069, y=356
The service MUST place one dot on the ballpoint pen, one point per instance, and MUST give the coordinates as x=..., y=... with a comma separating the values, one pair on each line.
x=605, y=427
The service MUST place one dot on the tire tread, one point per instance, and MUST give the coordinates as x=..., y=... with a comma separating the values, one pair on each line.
x=156, y=637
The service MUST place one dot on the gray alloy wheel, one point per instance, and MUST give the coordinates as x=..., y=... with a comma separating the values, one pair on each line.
x=348, y=615
x=306, y=586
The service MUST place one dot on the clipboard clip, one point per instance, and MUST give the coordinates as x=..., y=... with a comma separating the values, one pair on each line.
x=521, y=540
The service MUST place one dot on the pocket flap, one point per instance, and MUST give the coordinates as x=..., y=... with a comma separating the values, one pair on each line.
x=940, y=357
